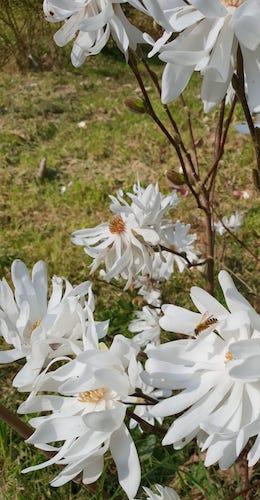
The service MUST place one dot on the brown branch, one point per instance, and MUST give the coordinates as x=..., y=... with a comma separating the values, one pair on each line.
x=192, y=138
x=173, y=122
x=238, y=83
x=183, y=255
x=146, y=427
x=222, y=144
x=140, y=394
x=150, y=110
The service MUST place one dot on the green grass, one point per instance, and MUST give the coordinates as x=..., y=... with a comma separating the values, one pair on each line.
x=39, y=116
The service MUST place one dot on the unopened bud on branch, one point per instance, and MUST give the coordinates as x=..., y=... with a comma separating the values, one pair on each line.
x=175, y=178
x=136, y=104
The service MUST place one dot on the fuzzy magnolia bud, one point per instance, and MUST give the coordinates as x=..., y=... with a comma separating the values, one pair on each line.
x=175, y=178
x=136, y=104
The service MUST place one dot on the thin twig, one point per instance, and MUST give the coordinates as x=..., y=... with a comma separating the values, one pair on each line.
x=140, y=394
x=192, y=138
x=133, y=65
x=183, y=255
x=146, y=426
x=173, y=122
x=222, y=145
x=238, y=83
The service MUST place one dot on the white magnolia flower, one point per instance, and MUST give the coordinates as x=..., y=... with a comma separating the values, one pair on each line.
x=146, y=326
x=125, y=245
x=122, y=246
x=149, y=289
x=40, y=329
x=210, y=33
x=177, y=237
x=149, y=206
x=218, y=393
x=233, y=223
x=87, y=414
x=90, y=23
x=163, y=493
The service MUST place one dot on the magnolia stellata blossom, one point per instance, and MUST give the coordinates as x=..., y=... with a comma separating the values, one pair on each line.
x=38, y=329
x=148, y=288
x=232, y=223
x=210, y=34
x=87, y=414
x=163, y=493
x=149, y=285
x=125, y=245
x=146, y=326
x=149, y=206
x=90, y=23
x=122, y=246
x=178, y=238
x=218, y=394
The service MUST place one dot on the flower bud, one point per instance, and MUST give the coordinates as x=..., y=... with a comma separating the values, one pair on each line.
x=175, y=178
x=136, y=104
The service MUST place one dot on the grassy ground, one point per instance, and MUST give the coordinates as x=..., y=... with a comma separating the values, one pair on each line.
x=39, y=117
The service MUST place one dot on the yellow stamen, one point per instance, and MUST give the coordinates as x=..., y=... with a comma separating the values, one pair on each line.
x=229, y=357
x=34, y=326
x=117, y=225
x=92, y=396
x=233, y=3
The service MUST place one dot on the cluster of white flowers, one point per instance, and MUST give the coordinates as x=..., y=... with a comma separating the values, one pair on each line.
x=86, y=387
x=86, y=398
x=199, y=36
x=92, y=393
x=133, y=245
x=40, y=330
x=210, y=33
x=90, y=23
x=215, y=372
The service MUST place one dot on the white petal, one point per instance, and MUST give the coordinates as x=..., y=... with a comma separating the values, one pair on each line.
x=175, y=79
x=126, y=459
x=210, y=8
x=179, y=320
x=58, y=429
x=10, y=356
x=205, y=302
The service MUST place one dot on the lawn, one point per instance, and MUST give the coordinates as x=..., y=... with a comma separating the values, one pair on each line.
x=77, y=122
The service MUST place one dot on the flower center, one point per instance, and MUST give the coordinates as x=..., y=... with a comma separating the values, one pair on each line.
x=34, y=326
x=117, y=225
x=233, y=3
x=229, y=357
x=92, y=396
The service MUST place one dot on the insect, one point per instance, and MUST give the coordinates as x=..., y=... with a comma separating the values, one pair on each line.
x=205, y=322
